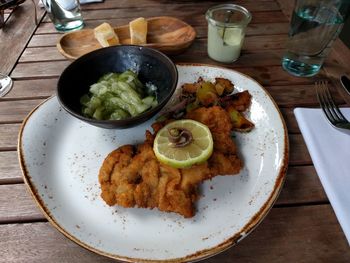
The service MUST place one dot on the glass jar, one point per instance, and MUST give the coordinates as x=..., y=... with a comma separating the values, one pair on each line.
x=226, y=30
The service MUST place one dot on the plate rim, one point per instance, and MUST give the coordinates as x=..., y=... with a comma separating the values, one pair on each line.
x=254, y=221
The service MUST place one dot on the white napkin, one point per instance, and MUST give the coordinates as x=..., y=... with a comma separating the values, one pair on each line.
x=330, y=153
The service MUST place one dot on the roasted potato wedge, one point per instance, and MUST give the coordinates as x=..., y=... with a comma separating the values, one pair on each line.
x=206, y=94
x=240, y=101
x=239, y=122
x=224, y=84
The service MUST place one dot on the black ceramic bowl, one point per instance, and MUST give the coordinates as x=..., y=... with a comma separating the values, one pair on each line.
x=152, y=66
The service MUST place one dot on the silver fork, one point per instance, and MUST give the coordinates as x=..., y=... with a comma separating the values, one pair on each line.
x=330, y=109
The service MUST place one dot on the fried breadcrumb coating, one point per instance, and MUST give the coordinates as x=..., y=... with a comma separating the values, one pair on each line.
x=132, y=176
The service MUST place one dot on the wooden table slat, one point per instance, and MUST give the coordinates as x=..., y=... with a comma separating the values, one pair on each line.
x=8, y=138
x=17, y=205
x=40, y=243
x=302, y=186
x=39, y=69
x=16, y=112
x=10, y=171
x=34, y=88
x=15, y=34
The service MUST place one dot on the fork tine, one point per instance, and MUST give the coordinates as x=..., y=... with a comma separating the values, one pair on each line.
x=327, y=101
x=323, y=103
x=330, y=110
x=334, y=108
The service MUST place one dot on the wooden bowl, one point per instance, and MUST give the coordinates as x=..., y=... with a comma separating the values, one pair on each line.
x=166, y=34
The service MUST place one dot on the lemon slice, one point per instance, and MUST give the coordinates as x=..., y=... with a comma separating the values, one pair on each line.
x=198, y=150
x=233, y=36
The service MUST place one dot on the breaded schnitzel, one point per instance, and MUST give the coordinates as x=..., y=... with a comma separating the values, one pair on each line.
x=132, y=176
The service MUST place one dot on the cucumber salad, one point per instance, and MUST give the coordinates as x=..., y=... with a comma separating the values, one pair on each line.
x=118, y=96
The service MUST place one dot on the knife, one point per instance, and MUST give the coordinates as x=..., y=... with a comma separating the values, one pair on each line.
x=345, y=81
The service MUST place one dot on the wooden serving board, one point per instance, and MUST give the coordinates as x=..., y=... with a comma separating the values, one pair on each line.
x=167, y=34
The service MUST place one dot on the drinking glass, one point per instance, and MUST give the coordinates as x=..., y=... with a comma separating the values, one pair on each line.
x=65, y=14
x=314, y=26
x=226, y=31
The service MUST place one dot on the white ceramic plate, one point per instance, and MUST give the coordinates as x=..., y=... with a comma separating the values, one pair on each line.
x=60, y=157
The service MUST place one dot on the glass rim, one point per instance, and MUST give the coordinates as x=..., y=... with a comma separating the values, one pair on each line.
x=244, y=22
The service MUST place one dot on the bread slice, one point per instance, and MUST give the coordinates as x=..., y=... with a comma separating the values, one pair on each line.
x=106, y=35
x=138, y=31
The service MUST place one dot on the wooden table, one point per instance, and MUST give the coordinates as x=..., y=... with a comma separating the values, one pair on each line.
x=301, y=227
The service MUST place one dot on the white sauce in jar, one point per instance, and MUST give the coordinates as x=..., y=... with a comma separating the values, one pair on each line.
x=225, y=49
